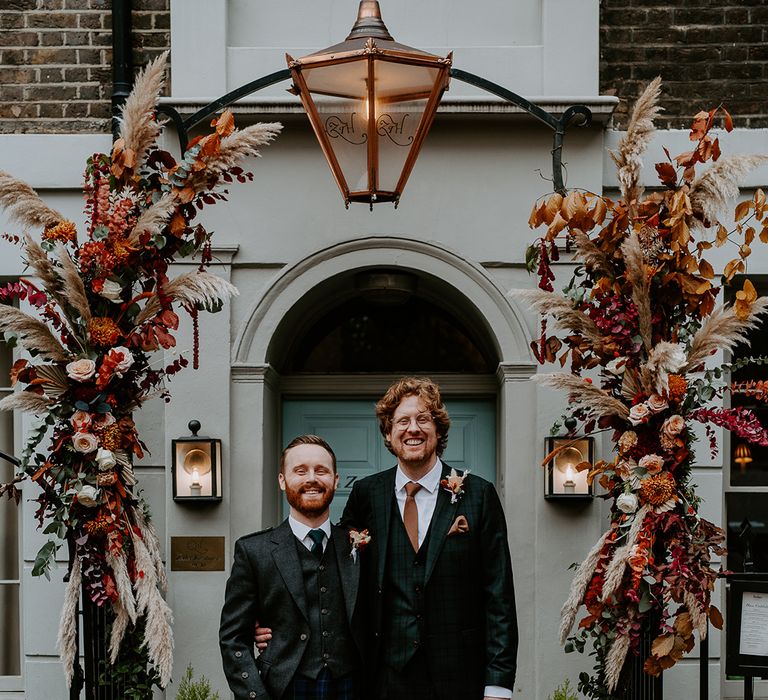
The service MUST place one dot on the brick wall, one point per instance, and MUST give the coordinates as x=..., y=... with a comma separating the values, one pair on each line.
x=56, y=61
x=708, y=52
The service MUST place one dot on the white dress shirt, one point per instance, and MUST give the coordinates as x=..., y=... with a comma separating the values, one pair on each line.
x=426, y=500
x=301, y=531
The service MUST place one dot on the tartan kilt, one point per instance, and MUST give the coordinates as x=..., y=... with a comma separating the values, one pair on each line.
x=324, y=687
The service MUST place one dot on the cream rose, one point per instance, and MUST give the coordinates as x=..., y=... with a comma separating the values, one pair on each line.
x=627, y=441
x=123, y=364
x=639, y=414
x=84, y=442
x=103, y=420
x=627, y=503
x=88, y=496
x=105, y=459
x=657, y=403
x=80, y=421
x=651, y=463
x=111, y=290
x=81, y=370
x=673, y=426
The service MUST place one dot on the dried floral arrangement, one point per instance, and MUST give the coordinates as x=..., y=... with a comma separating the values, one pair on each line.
x=641, y=308
x=103, y=306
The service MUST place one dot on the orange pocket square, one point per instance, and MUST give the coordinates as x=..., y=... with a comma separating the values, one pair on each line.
x=459, y=525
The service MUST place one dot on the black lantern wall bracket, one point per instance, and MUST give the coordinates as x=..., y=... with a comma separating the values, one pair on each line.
x=578, y=115
x=563, y=481
x=196, y=467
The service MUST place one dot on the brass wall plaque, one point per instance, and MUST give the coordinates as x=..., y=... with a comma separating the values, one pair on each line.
x=197, y=554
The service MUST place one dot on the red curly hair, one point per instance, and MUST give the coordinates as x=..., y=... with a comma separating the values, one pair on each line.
x=429, y=393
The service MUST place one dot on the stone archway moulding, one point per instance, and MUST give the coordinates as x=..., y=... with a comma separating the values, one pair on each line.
x=502, y=320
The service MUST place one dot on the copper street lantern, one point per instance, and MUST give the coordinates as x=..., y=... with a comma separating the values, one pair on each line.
x=370, y=101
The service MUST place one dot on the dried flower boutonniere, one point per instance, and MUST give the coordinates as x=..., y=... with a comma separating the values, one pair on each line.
x=359, y=540
x=454, y=484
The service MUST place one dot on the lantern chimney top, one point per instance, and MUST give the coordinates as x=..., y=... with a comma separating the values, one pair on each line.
x=369, y=22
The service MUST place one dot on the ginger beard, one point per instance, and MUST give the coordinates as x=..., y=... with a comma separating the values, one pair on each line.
x=310, y=499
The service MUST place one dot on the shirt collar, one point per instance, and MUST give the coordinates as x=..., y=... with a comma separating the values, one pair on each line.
x=300, y=530
x=429, y=482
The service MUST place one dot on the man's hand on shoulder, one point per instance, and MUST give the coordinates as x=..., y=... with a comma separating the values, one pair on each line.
x=261, y=636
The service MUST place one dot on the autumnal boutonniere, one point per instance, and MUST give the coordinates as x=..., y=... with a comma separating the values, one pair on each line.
x=359, y=540
x=454, y=484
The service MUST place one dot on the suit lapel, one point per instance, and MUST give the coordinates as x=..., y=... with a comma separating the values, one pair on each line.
x=286, y=560
x=349, y=570
x=444, y=515
x=382, y=496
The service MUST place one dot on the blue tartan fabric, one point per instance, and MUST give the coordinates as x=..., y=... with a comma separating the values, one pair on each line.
x=324, y=687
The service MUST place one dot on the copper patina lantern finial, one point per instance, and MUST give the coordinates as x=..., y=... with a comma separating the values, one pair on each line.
x=369, y=22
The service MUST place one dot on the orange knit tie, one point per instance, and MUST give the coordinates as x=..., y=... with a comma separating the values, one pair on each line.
x=411, y=514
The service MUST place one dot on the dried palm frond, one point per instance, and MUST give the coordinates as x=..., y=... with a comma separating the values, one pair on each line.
x=153, y=218
x=25, y=401
x=721, y=330
x=614, y=572
x=66, y=642
x=24, y=205
x=42, y=266
x=152, y=542
x=190, y=289
x=54, y=380
x=238, y=145
x=158, y=636
x=614, y=662
x=630, y=385
x=119, y=628
x=33, y=334
x=591, y=254
x=714, y=190
x=561, y=310
x=581, y=580
x=74, y=289
x=633, y=144
x=663, y=358
x=117, y=562
x=593, y=400
x=638, y=278
x=138, y=127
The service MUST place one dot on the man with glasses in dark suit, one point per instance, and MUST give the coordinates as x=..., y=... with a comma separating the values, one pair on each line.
x=301, y=580
x=439, y=597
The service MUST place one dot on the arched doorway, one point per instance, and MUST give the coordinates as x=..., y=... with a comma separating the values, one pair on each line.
x=384, y=321
x=317, y=333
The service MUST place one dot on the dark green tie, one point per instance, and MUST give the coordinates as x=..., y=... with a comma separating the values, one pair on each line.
x=317, y=542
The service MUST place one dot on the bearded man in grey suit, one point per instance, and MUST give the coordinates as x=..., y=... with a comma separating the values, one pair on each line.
x=437, y=574
x=300, y=580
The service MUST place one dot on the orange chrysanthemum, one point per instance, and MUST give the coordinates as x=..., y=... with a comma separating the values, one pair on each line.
x=103, y=331
x=111, y=437
x=64, y=231
x=677, y=388
x=99, y=525
x=658, y=489
x=121, y=250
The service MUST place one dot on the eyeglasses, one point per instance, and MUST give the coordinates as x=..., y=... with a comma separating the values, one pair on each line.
x=423, y=420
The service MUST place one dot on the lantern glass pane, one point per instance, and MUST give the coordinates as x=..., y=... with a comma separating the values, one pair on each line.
x=402, y=93
x=340, y=96
x=565, y=478
x=193, y=468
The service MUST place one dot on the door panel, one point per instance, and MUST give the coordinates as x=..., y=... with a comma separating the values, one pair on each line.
x=351, y=428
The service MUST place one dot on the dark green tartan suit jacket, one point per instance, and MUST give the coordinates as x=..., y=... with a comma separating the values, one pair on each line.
x=469, y=601
x=266, y=584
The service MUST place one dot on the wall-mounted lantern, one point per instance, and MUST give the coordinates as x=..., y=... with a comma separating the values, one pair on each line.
x=196, y=467
x=370, y=101
x=562, y=479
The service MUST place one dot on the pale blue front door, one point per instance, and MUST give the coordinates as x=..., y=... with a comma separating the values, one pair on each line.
x=351, y=428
